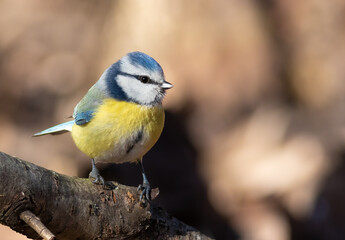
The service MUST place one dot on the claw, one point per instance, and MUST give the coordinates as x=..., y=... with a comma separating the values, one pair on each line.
x=95, y=174
x=98, y=180
x=145, y=189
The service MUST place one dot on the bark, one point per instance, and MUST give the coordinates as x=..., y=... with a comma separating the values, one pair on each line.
x=75, y=208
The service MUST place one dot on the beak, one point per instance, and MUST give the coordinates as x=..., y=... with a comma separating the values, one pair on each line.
x=166, y=85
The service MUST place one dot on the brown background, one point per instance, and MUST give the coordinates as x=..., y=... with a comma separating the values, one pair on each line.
x=253, y=146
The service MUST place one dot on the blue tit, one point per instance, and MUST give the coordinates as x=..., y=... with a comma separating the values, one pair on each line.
x=121, y=116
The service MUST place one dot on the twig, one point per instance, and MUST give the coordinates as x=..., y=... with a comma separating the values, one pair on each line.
x=35, y=223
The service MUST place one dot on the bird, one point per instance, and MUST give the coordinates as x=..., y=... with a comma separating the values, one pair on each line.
x=121, y=116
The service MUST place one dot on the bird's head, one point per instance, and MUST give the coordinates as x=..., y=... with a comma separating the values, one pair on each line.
x=137, y=78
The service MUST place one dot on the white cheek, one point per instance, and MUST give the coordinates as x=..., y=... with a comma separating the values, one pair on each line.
x=141, y=93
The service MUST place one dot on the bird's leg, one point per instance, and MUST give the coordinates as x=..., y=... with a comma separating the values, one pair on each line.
x=145, y=187
x=95, y=174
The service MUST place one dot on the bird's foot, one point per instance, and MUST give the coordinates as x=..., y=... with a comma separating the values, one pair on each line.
x=98, y=178
x=145, y=189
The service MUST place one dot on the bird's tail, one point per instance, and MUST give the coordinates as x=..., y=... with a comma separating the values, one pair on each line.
x=58, y=129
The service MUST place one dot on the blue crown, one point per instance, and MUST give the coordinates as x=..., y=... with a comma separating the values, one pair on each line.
x=142, y=59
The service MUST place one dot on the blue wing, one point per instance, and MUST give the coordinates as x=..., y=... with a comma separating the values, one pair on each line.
x=84, y=111
x=83, y=117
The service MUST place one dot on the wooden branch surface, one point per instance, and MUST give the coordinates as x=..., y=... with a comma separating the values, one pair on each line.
x=75, y=208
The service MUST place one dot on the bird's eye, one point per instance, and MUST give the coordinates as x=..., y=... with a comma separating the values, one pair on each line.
x=144, y=79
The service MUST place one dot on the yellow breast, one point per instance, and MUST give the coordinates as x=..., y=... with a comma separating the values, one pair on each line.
x=114, y=127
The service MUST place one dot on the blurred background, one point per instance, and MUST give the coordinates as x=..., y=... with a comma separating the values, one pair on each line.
x=254, y=140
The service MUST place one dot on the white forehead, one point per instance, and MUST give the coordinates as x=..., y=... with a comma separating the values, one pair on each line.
x=136, y=69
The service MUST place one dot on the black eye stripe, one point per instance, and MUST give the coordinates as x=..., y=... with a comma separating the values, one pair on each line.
x=142, y=78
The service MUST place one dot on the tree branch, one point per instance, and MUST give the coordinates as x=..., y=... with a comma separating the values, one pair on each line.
x=75, y=208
